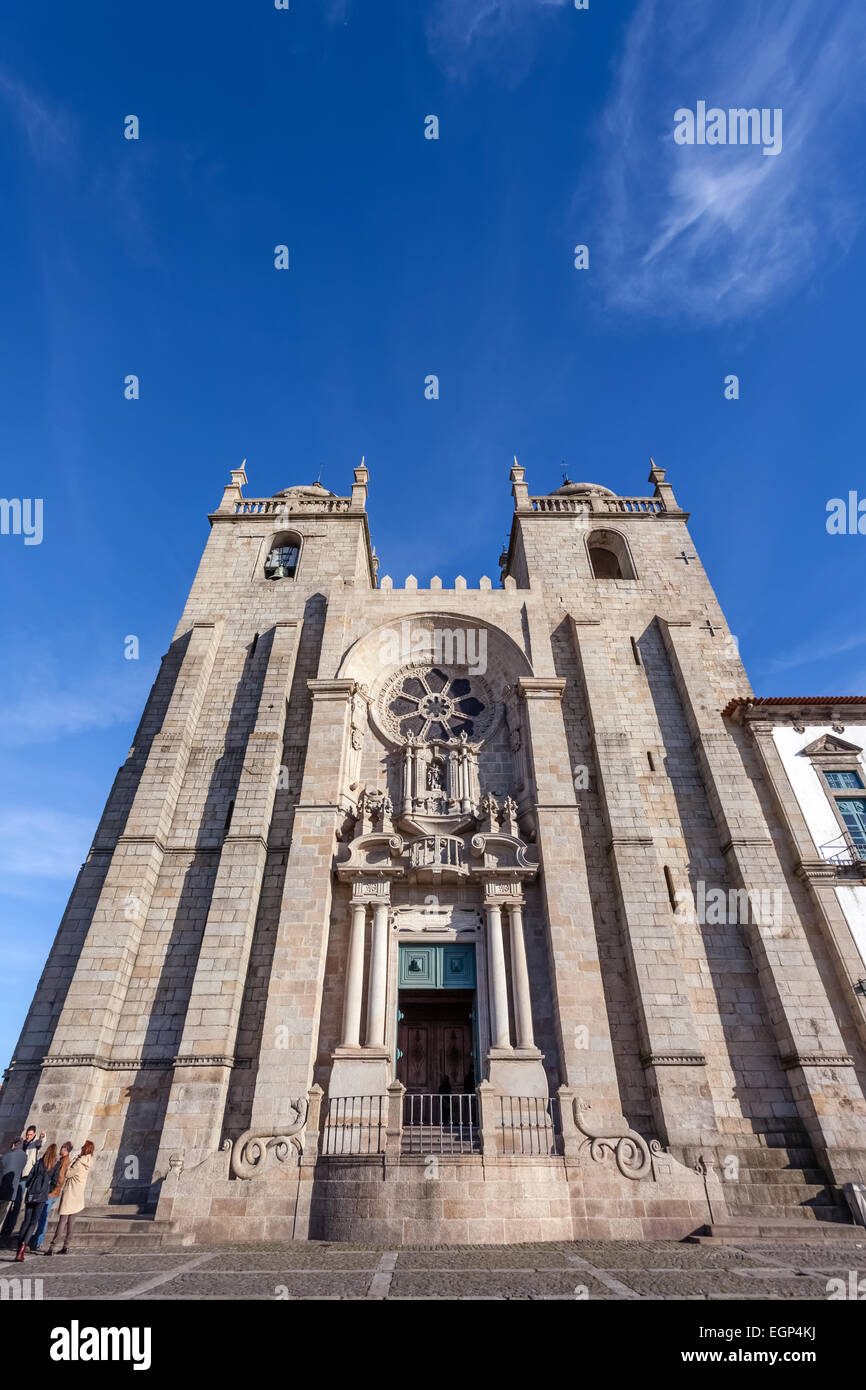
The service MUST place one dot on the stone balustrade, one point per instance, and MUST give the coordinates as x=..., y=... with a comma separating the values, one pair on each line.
x=592, y=503
x=277, y=506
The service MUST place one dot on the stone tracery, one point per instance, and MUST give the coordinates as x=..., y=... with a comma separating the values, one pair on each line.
x=431, y=704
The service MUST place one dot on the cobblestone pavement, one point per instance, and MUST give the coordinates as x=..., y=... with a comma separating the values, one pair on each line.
x=583, y=1269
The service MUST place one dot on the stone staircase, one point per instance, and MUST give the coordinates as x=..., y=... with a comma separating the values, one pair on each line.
x=781, y=1194
x=121, y=1230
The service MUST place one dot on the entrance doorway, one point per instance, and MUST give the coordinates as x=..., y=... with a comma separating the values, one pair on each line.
x=436, y=1042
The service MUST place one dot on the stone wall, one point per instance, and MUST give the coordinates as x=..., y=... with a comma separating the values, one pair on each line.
x=196, y=985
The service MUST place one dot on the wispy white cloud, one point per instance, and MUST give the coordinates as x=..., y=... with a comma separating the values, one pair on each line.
x=49, y=133
x=463, y=33
x=718, y=232
x=816, y=653
x=45, y=711
x=43, y=843
x=117, y=183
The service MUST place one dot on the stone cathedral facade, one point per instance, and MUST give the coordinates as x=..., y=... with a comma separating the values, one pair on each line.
x=463, y=914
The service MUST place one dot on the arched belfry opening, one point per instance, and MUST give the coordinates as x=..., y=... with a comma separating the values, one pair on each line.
x=283, y=556
x=609, y=556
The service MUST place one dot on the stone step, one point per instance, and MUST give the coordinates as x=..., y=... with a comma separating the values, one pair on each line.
x=113, y=1225
x=809, y=1177
x=115, y=1236
x=736, y=1232
x=134, y=1232
x=781, y=1157
x=783, y=1194
x=786, y=1139
x=783, y=1211
x=117, y=1209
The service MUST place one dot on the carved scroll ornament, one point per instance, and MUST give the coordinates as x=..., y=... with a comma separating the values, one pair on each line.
x=631, y=1151
x=258, y=1149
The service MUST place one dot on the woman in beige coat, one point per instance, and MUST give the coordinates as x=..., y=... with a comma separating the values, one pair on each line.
x=72, y=1197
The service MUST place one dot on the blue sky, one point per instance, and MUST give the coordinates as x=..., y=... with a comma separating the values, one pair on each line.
x=408, y=257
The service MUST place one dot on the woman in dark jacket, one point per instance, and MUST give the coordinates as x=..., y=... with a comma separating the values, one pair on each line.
x=42, y=1179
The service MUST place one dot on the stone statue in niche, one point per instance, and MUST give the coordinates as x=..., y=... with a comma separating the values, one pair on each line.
x=434, y=777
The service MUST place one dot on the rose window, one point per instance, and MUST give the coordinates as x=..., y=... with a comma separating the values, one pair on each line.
x=431, y=705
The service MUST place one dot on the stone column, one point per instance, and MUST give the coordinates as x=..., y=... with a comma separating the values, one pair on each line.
x=500, y=1036
x=673, y=1057
x=354, y=977
x=378, y=977
x=365, y=1070
x=420, y=776
x=453, y=780
x=520, y=978
x=821, y=1073
x=407, y=780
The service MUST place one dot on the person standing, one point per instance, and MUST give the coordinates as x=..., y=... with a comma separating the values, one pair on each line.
x=31, y=1147
x=72, y=1198
x=65, y=1156
x=42, y=1179
x=11, y=1168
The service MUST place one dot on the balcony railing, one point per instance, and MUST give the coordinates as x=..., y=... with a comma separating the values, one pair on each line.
x=436, y=852
x=529, y=1124
x=428, y=1124
x=434, y=1124
x=841, y=850
x=355, y=1125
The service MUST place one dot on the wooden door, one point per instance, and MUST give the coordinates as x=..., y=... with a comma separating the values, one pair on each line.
x=436, y=1040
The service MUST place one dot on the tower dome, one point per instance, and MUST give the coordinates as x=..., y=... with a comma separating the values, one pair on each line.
x=570, y=489
x=305, y=490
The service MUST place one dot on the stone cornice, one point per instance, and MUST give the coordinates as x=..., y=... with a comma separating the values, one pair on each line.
x=623, y=841
x=745, y=841
x=142, y=840
x=231, y=839
x=808, y=709
x=817, y=871
x=339, y=688
x=541, y=687
x=211, y=1060
x=816, y=1059
x=673, y=1059
x=93, y=1059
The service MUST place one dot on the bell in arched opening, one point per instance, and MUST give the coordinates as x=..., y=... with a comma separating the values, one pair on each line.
x=282, y=561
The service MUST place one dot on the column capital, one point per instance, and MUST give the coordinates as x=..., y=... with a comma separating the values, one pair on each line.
x=364, y=891
x=338, y=689
x=499, y=893
x=761, y=728
x=503, y=895
x=540, y=687
x=517, y=903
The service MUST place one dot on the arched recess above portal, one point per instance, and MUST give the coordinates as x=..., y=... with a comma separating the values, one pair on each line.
x=499, y=658
x=478, y=665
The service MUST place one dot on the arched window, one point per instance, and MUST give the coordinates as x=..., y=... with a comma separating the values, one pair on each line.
x=608, y=556
x=282, y=561
x=605, y=564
